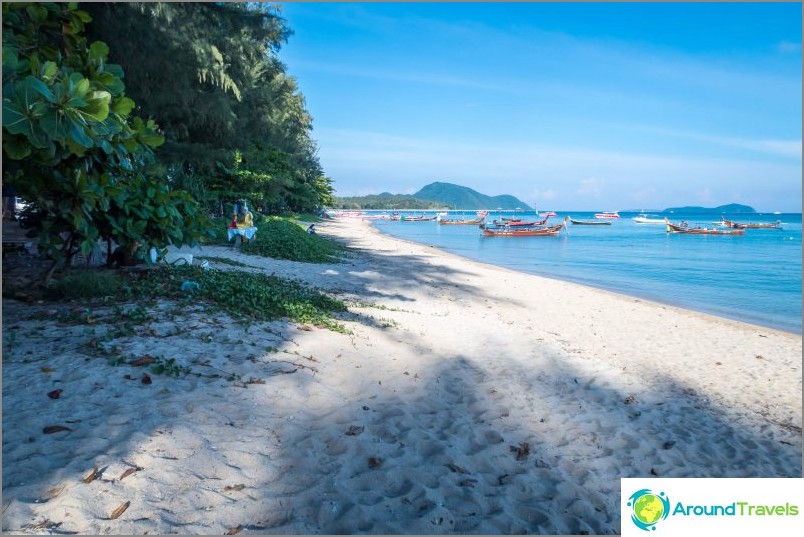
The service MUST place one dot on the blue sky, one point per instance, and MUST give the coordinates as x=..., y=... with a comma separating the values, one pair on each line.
x=585, y=106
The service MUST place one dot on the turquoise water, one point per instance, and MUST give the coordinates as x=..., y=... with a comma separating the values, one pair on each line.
x=755, y=278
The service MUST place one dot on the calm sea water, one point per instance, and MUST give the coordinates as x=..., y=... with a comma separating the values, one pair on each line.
x=754, y=278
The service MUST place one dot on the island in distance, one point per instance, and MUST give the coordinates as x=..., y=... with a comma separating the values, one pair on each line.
x=436, y=195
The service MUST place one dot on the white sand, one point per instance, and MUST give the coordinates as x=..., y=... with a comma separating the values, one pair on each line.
x=453, y=367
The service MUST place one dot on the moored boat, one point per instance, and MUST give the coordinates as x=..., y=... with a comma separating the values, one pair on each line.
x=590, y=222
x=679, y=228
x=643, y=218
x=526, y=232
x=462, y=222
x=750, y=225
x=612, y=214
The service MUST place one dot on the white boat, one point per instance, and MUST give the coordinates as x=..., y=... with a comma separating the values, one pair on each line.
x=611, y=214
x=645, y=219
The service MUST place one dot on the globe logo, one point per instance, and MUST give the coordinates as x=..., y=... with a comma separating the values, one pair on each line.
x=648, y=508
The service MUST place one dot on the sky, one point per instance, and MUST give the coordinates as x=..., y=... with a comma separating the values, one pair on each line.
x=567, y=106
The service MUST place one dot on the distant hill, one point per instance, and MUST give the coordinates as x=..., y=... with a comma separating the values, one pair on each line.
x=386, y=202
x=461, y=197
x=731, y=208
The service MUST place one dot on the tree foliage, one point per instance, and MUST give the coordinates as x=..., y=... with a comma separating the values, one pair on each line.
x=72, y=146
x=235, y=123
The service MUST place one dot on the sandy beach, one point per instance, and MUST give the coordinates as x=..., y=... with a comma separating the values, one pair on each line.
x=467, y=399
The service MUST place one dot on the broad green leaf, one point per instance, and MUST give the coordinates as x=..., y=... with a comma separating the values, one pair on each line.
x=98, y=105
x=14, y=118
x=32, y=85
x=78, y=135
x=123, y=106
x=49, y=70
x=98, y=51
x=81, y=87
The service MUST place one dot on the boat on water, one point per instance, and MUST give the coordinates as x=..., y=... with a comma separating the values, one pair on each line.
x=590, y=222
x=462, y=222
x=750, y=225
x=643, y=218
x=548, y=231
x=515, y=222
x=686, y=229
x=612, y=214
x=548, y=214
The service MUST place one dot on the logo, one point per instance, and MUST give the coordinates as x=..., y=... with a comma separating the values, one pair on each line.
x=648, y=508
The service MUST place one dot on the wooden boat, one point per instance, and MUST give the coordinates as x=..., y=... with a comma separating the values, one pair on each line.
x=519, y=223
x=746, y=225
x=404, y=218
x=548, y=213
x=590, y=222
x=462, y=222
x=612, y=214
x=548, y=231
x=677, y=228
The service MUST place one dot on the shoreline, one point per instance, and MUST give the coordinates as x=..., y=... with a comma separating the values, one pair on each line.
x=469, y=398
x=643, y=296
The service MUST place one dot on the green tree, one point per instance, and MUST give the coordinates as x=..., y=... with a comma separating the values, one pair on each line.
x=71, y=145
x=210, y=73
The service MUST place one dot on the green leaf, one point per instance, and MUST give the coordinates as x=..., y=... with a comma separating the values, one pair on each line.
x=98, y=51
x=123, y=106
x=49, y=70
x=81, y=87
x=15, y=147
x=14, y=119
x=98, y=105
x=32, y=84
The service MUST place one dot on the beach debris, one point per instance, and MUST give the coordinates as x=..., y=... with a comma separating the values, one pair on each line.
x=92, y=476
x=50, y=429
x=46, y=524
x=467, y=483
x=541, y=464
x=305, y=327
x=146, y=359
x=146, y=379
x=653, y=471
x=47, y=369
x=522, y=451
x=252, y=380
x=234, y=531
x=235, y=488
x=668, y=444
x=129, y=472
x=120, y=510
x=365, y=407
x=503, y=479
x=374, y=462
x=55, y=394
x=457, y=469
x=354, y=430
x=630, y=400
x=718, y=363
x=760, y=357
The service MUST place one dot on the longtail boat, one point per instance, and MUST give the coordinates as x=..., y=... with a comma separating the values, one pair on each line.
x=747, y=225
x=590, y=222
x=520, y=223
x=677, y=228
x=463, y=222
x=526, y=232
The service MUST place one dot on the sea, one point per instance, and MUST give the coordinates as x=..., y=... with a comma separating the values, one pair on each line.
x=754, y=278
